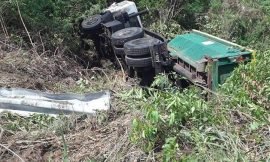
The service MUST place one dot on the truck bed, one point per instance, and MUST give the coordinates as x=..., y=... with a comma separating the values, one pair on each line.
x=193, y=47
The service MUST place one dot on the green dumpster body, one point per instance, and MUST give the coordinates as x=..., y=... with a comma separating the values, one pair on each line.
x=201, y=53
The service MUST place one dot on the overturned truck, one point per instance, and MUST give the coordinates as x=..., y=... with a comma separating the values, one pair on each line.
x=201, y=58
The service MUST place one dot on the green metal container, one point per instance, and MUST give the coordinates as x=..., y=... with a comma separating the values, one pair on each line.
x=205, y=59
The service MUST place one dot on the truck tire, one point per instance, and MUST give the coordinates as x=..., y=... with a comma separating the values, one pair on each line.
x=139, y=47
x=106, y=17
x=138, y=62
x=118, y=51
x=91, y=23
x=122, y=36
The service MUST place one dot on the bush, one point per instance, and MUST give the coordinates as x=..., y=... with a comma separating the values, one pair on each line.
x=244, y=22
x=55, y=20
x=252, y=81
x=169, y=30
x=166, y=117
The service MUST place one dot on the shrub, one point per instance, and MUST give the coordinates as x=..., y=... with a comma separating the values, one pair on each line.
x=169, y=30
x=167, y=115
x=252, y=81
x=55, y=20
x=244, y=22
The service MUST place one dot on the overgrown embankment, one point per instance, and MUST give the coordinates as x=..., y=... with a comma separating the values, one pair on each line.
x=170, y=124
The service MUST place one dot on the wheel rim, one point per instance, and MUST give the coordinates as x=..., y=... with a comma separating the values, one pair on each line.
x=145, y=41
x=127, y=32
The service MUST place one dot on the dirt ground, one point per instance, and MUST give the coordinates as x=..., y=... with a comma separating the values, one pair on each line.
x=27, y=69
x=88, y=139
x=85, y=142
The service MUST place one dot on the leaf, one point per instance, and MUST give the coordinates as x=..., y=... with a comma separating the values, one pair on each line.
x=172, y=119
x=154, y=116
x=135, y=123
x=143, y=134
x=172, y=103
x=254, y=126
x=192, y=109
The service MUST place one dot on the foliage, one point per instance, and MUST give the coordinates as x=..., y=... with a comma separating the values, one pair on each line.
x=252, y=81
x=245, y=22
x=168, y=30
x=151, y=4
x=55, y=20
x=166, y=115
x=187, y=128
x=170, y=150
x=65, y=149
x=183, y=13
x=232, y=126
x=35, y=121
x=59, y=125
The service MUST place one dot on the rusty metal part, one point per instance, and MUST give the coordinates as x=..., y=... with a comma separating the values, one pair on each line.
x=194, y=77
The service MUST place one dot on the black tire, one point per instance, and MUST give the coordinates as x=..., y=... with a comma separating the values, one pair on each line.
x=139, y=47
x=122, y=36
x=118, y=51
x=92, y=23
x=138, y=62
x=106, y=17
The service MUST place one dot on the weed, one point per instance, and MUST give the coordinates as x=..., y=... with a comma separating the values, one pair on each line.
x=19, y=123
x=169, y=30
x=185, y=127
x=65, y=149
x=170, y=150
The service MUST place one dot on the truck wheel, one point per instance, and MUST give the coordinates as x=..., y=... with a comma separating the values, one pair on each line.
x=139, y=47
x=118, y=51
x=139, y=62
x=106, y=17
x=122, y=36
x=92, y=23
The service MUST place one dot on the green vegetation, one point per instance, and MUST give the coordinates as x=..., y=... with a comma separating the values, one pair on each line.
x=60, y=124
x=35, y=121
x=246, y=22
x=54, y=21
x=178, y=124
x=251, y=82
x=231, y=126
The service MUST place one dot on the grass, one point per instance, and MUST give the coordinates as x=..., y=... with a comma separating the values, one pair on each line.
x=85, y=135
x=232, y=126
x=170, y=124
x=96, y=79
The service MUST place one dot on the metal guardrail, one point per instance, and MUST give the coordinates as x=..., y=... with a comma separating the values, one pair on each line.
x=26, y=102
